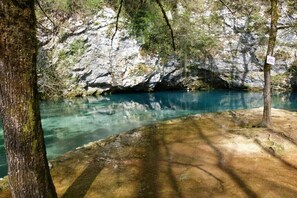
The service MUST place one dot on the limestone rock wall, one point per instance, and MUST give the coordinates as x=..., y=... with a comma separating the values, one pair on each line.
x=86, y=62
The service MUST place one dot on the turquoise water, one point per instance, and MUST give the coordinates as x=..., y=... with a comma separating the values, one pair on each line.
x=69, y=124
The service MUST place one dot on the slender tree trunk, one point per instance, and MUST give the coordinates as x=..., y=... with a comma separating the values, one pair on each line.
x=266, y=121
x=185, y=64
x=28, y=169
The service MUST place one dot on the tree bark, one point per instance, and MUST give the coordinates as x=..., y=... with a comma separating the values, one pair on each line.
x=28, y=170
x=266, y=120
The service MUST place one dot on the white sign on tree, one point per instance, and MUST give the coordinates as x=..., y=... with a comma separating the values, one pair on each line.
x=270, y=60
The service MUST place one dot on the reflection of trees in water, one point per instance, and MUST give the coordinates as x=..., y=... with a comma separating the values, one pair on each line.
x=73, y=122
x=211, y=101
x=285, y=100
x=203, y=100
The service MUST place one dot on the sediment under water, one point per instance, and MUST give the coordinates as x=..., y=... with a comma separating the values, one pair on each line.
x=70, y=123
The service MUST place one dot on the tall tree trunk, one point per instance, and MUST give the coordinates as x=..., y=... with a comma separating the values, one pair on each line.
x=266, y=121
x=28, y=170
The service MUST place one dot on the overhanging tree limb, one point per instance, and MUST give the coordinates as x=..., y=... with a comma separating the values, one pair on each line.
x=164, y=15
x=167, y=22
x=42, y=10
x=287, y=26
x=227, y=6
x=117, y=21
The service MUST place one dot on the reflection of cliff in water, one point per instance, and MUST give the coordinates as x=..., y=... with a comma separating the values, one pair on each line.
x=286, y=101
x=71, y=123
x=207, y=101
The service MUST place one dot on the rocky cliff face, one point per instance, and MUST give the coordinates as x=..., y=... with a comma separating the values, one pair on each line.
x=86, y=62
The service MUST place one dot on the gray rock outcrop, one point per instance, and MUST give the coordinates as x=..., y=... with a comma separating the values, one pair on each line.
x=87, y=62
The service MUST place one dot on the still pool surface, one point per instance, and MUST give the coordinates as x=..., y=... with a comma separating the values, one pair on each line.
x=72, y=123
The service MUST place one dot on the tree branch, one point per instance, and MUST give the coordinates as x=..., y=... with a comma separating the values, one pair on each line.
x=227, y=6
x=117, y=21
x=42, y=10
x=287, y=26
x=167, y=22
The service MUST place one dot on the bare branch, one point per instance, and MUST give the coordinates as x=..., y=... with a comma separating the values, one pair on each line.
x=38, y=4
x=227, y=6
x=117, y=21
x=287, y=26
x=167, y=22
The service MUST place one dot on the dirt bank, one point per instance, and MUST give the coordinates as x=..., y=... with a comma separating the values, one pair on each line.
x=212, y=155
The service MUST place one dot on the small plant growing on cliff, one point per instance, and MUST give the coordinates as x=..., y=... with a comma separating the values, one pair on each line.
x=141, y=69
x=77, y=47
x=62, y=55
x=92, y=5
x=50, y=84
x=63, y=36
x=283, y=55
x=71, y=7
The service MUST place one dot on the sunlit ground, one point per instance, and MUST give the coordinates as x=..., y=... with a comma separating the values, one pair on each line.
x=214, y=155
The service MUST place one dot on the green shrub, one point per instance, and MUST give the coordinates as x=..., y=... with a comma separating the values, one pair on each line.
x=77, y=47
x=92, y=5
x=50, y=84
x=281, y=54
x=70, y=7
x=62, y=55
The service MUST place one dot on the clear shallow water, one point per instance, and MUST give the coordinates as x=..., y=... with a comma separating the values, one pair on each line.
x=69, y=124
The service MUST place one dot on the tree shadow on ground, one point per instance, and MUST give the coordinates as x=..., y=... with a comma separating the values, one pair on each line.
x=283, y=136
x=221, y=164
x=148, y=186
x=158, y=162
x=270, y=131
x=172, y=179
x=81, y=185
x=272, y=153
x=151, y=171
